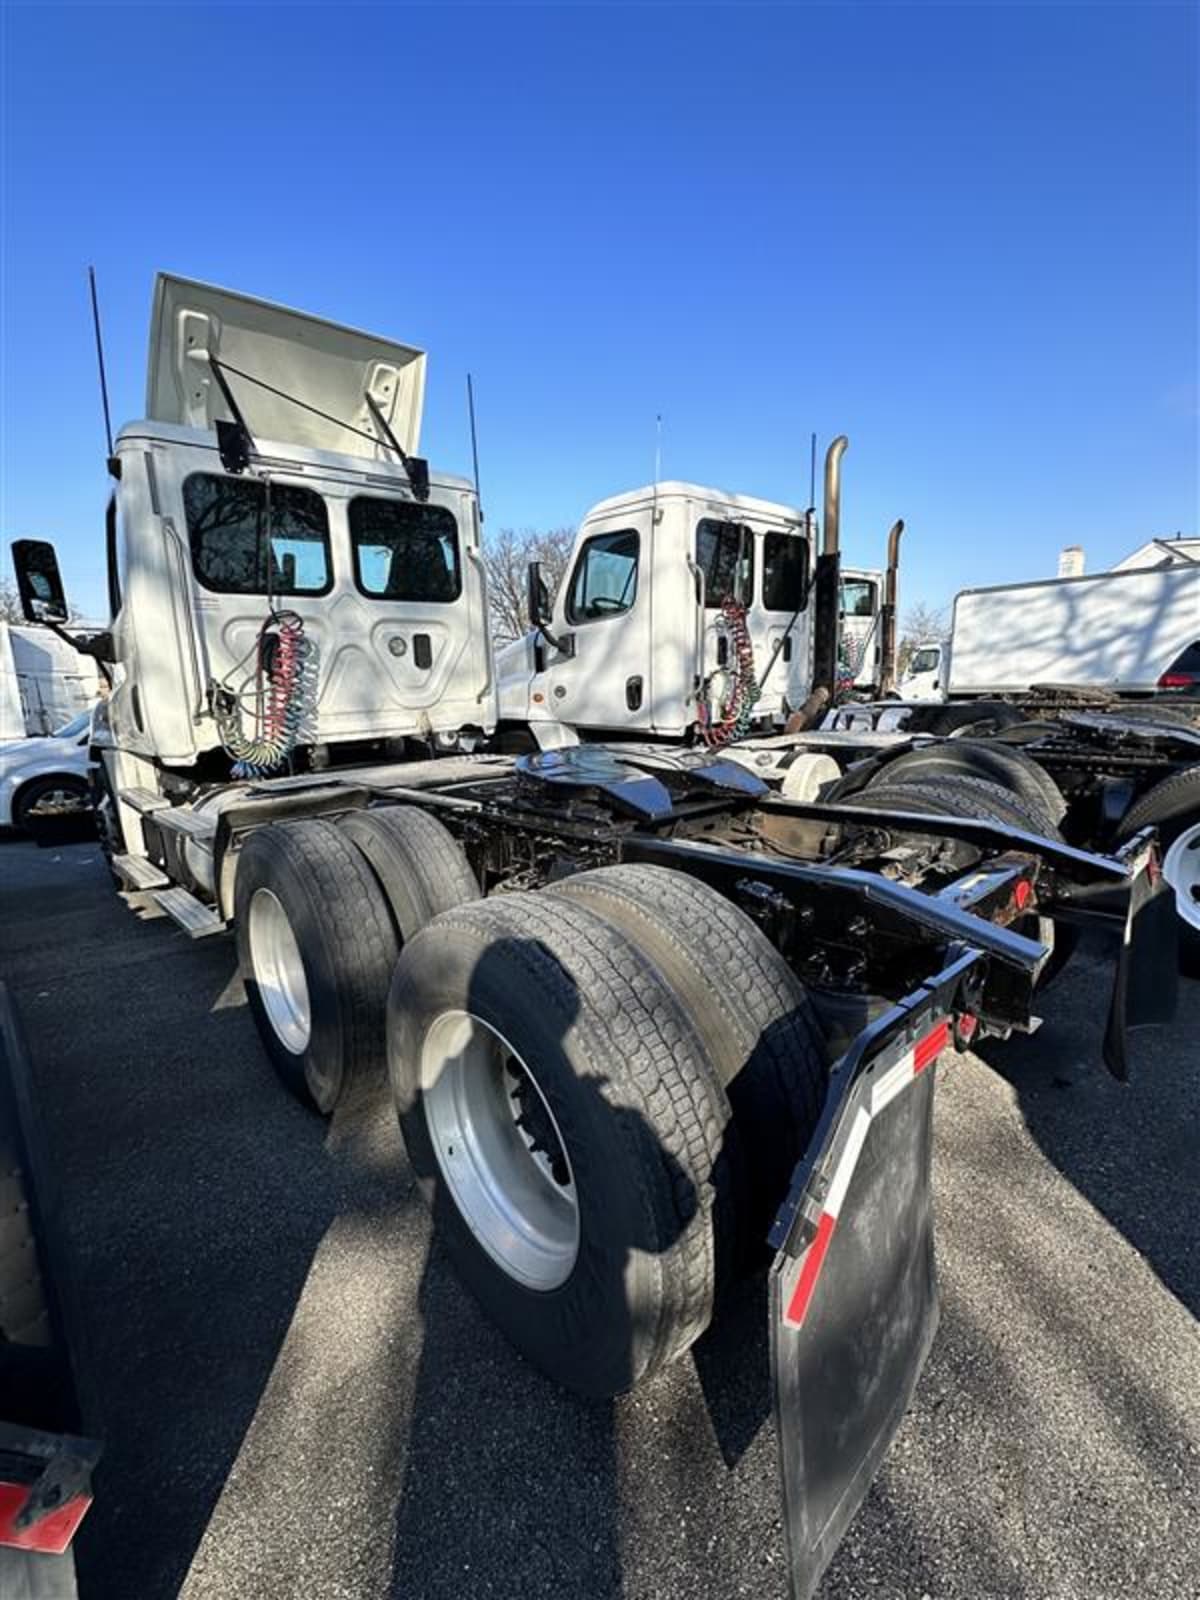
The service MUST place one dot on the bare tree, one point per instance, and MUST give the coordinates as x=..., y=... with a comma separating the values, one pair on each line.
x=10, y=602
x=507, y=555
x=922, y=623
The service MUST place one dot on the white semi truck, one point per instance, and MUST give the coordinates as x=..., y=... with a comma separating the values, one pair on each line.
x=646, y=1023
x=668, y=588
x=690, y=613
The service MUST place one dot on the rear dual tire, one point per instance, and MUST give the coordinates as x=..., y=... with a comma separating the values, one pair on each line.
x=322, y=910
x=596, y=997
x=973, y=797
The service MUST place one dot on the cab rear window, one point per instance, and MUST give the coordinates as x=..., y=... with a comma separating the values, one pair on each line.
x=231, y=550
x=405, y=550
x=858, y=597
x=725, y=555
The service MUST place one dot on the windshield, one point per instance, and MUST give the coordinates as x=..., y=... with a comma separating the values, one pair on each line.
x=77, y=725
x=924, y=660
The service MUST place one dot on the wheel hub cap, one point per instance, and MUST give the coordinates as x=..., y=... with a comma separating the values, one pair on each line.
x=499, y=1150
x=279, y=971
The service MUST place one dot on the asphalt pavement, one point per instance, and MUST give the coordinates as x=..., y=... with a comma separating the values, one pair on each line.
x=299, y=1399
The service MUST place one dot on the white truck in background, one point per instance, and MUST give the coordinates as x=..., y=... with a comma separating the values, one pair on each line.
x=1133, y=632
x=861, y=618
x=641, y=640
x=924, y=678
x=44, y=681
x=692, y=613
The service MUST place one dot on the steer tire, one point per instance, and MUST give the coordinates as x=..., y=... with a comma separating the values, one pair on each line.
x=617, y=1064
x=975, y=758
x=347, y=946
x=1172, y=806
x=754, y=1019
x=419, y=864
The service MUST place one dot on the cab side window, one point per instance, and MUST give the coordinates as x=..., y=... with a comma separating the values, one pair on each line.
x=606, y=576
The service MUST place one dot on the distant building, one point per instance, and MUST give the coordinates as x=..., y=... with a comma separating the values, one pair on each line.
x=1169, y=552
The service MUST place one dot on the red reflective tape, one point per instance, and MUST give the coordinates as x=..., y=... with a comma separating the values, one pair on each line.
x=810, y=1270
x=50, y=1534
x=930, y=1047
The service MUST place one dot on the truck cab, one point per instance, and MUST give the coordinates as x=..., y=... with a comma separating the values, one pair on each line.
x=928, y=667
x=860, y=611
x=644, y=634
x=322, y=520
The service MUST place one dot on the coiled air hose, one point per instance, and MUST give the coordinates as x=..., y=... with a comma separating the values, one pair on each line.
x=284, y=694
x=732, y=720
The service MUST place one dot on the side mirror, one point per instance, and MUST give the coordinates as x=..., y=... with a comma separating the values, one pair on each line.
x=38, y=581
x=537, y=596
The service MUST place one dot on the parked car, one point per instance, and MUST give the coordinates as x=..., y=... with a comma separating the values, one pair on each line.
x=45, y=781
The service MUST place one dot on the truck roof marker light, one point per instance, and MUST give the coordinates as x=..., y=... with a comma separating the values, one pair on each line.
x=890, y=1083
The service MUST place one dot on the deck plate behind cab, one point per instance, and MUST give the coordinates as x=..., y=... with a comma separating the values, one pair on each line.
x=643, y=781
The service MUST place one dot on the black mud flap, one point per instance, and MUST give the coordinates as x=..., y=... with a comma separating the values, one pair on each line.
x=854, y=1303
x=1146, y=986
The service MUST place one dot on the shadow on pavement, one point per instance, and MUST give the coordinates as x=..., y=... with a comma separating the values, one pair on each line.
x=1123, y=1146
x=192, y=1234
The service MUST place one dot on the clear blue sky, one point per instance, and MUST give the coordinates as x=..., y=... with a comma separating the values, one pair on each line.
x=965, y=235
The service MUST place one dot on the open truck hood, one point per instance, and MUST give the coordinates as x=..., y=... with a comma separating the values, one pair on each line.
x=325, y=365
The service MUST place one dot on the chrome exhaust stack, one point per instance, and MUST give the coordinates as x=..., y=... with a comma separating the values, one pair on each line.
x=887, y=615
x=831, y=544
x=828, y=582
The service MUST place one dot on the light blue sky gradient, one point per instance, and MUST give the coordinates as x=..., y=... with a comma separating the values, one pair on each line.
x=965, y=235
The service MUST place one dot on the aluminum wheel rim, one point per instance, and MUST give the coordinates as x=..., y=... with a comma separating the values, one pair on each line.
x=1181, y=869
x=58, y=802
x=279, y=972
x=500, y=1150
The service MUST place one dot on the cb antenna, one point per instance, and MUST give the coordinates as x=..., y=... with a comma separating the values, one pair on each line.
x=474, y=444
x=657, y=468
x=812, y=469
x=100, y=363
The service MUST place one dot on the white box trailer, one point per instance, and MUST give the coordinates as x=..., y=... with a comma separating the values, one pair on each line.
x=44, y=681
x=1116, y=631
